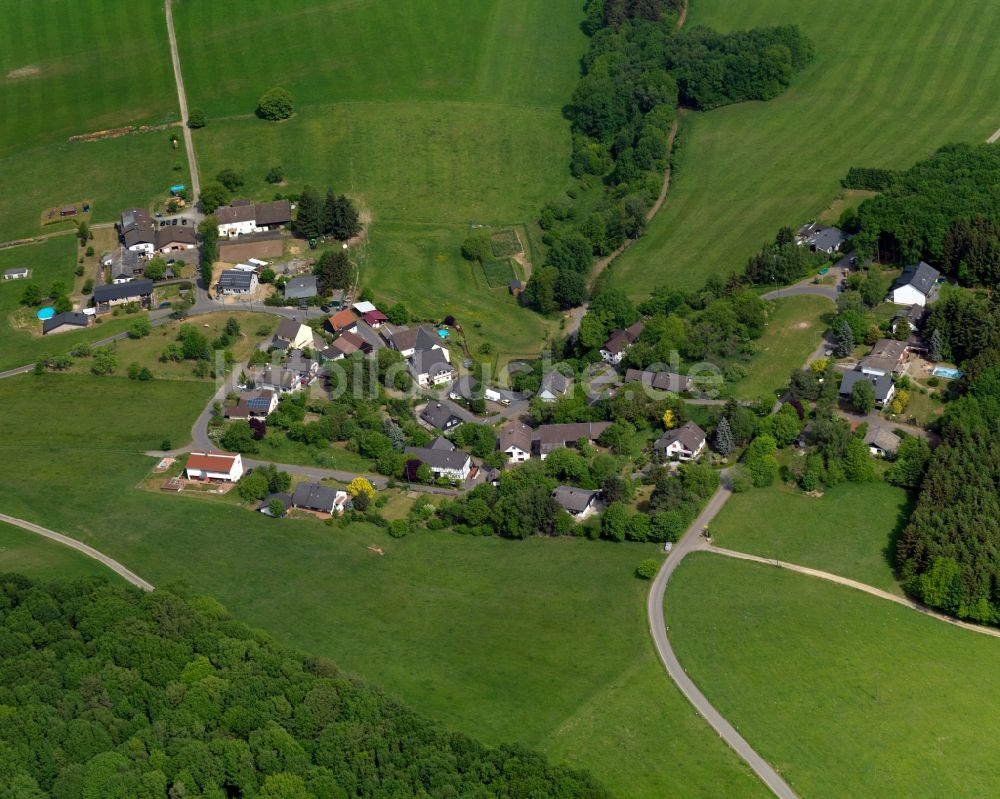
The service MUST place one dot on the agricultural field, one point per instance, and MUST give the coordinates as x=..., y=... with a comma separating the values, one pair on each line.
x=851, y=530
x=433, y=118
x=477, y=632
x=42, y=559
x=50, y=261
x=844, y=693
x=795, y=329
x=105, y=65
x=880, y=92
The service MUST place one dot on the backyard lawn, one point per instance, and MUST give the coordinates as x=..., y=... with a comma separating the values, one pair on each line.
x=542, y=641
x=844, y=693
x=850, y=530
x=880, y=93
x=794, y=330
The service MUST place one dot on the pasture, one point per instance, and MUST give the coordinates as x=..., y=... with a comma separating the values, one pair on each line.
x=542, y=641
x=70, y=68
x=433, y=117
x=850, y=530
x=880, y=92
x=50, y=261
x=844, y=693
x=42, y=559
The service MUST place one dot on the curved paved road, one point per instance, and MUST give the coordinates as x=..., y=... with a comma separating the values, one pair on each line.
x=690, y=542
x=89, y=551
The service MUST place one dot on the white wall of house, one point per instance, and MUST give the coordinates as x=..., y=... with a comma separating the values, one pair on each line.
x=614, y=358
x=516, y=455
x=143, y=246
x=238, y=228
x=908, y=295
x=454, y=474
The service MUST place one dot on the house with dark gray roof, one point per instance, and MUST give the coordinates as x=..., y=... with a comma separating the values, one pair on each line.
x=174, y=238
x=17, y=273
x=620, y=341
x=554, y=385
x=431, y=367
x=236, y=281
x=440, y=417
x=301, y=287
x=65, y=322
x=661, y=381
x=241, y=217
x=443, y=459
x=886, y=357
x=285, y=500
x=515, y=441
x=827, y=239
x=883, y=385
x=109, y=295
x=137, y=231
x=407, y=340
x=916, y=286
x=557, y=436
x=578, y=502
x=684, y=443
x=319, y=498
x=881, y=442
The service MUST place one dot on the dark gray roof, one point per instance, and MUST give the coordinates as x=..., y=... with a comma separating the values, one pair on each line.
x=67, y=318
x=440, y=416
x=301, y=287
x=121, y=291
x=881, y=383
x=663, y=381
x=314, y=496
x=562, y=434
x=288, y=329
x=555, y=383
x=690, y=436
x=921, y=276
x=439, y=458
x=442, y=443
x=238, y=279
x=515, y=434
x=282, y=378
x=882, y=439
x=234, y=212
x=136, y=227
x=174, y=234
x=284, y=499
x=21, y=270
x=429, y=362
x=575, y=500
x=276, y=212
x=415, y=338
x=828, y=238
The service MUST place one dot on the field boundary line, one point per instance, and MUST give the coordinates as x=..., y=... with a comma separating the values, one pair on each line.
x=849, y=583
x=79, y=546
x=182, y=102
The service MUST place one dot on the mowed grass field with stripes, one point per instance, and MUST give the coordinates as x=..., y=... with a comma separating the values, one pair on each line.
x=434, y=116
x=74, y=67
x=890, y=83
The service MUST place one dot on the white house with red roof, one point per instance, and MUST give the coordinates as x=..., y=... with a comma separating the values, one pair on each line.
x=213, y=465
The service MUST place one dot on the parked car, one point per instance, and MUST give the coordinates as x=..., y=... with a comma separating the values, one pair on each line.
x=164, y=305
x=173, y=222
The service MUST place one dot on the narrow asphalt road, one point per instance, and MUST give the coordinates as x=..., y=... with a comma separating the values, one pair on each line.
x=89, y=551
x=182, y=101
x=691, y=541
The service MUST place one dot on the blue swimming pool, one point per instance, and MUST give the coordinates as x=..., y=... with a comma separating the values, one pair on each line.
x=947, y=371
x=443, y=333
x=46, y=313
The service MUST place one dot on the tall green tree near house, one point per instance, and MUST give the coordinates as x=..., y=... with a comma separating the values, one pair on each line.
x=845, y=340
x=724, y=443
x=309, y=220
x=863, y=397
x=334, y=271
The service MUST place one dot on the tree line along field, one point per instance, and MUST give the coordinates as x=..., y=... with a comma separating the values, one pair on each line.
x=844, y=693
x=73, y=67
x=880, y=92
x=433, y=116
x=542, y=641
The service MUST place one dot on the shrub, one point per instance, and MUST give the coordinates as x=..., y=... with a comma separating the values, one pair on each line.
x=275, y=174
x=647, y=569
x=196, y=119
x=399, y=528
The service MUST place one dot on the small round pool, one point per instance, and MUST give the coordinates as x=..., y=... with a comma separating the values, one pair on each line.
x=46, y=313
x=443, y=333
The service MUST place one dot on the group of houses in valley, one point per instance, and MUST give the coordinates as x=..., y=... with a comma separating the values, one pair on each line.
x=821, y=238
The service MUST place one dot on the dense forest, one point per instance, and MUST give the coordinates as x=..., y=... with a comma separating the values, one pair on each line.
x=637, y=69
x=942, y=210
x=107, y=693
x=949, y=553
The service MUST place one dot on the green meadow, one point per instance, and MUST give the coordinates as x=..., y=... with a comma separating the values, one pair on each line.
x=74, y=67
x=890, y=83
x=542, y=641
x=42, y=559
x=844, y=693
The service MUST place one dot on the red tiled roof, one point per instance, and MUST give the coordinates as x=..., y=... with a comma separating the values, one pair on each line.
x=211, y=461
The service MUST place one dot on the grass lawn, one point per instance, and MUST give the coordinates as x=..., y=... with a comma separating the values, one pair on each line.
x=851, y=530
x=845, y=694
x=402, y=257
x=49, y=261
x=794, y=330
x=42, y=559
x=434, y=117
x=880, y=92
x=542, y=641
x=104, y=65
x=277, y=447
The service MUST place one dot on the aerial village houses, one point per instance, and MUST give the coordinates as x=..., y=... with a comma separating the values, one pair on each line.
x=881, y=443
x=620, y=341
x=887, y=356
x=345, y=321
x=443, y=459
x=108, y=296
x=684, y=443
x=320, y=499
x=137, y=231
x=515, y=442
x=577, y=502
x=235, y=282
x=346, y=345
x=65, y=322
x=554, y=385
x=257, y=404
x=439, y=416
x=17, y=273
x=661, y=381
x=916, y=286
x=820, y=238
x=557, y=436
x=431, y=367
x=882, y=383
x=293, y=335
x=301, y=287
x=174, y=238
x=242, y=217
x=213, y=466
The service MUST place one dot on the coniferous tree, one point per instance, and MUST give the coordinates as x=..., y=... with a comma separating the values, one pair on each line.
x=845, y=340
x=345, y=222
x=724, y=443
x=309, y=220
x=934, y=352
x=329, y=213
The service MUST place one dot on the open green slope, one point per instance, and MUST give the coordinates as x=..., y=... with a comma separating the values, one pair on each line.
x=844, y=693
x=542, y=641
x=42, y=559
x=890, y=83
